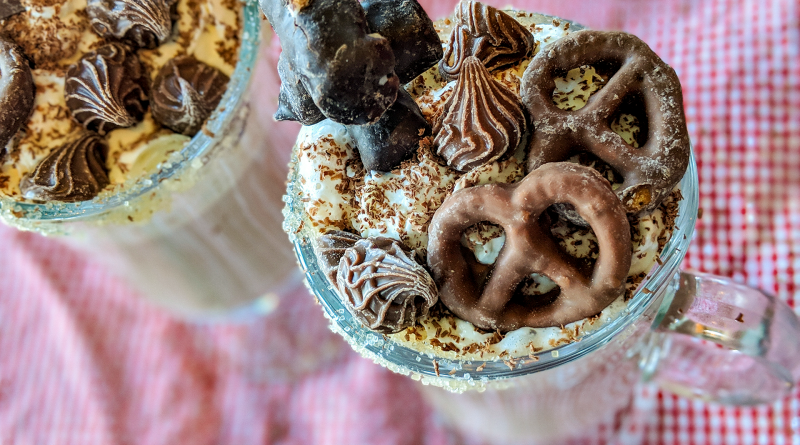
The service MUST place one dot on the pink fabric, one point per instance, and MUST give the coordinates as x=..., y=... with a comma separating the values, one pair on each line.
x=84, y=361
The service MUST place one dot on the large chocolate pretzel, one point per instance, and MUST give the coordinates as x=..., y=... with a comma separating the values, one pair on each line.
x=529, y=249
x=649, y=172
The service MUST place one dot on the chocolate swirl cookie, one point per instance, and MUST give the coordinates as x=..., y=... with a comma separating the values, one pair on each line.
x=142, y=23
x=75, y=171
x=16, y=91
x=487, y=33
x=383, y=286
x=184, y=94
x=482, y=120
x=107, y=89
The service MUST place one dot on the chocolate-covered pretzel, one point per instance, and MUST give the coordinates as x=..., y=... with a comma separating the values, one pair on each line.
x=649, y=172
x=346, y=70
x=529, y=249
x=16, y=91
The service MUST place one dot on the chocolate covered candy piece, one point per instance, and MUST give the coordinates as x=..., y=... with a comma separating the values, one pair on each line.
x=16, y=91
x=142, y=23
x=184, y=94
x=347, y=71
x=107, y=89
x=294, y=102
x=410, y=32
x=394, y=138
x=383, y=286
x=487, y=33
x=75, y=171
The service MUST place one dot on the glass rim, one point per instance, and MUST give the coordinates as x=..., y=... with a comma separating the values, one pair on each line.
x=432, y=369
x=198, y=146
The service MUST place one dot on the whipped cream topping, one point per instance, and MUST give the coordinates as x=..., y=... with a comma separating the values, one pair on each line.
x=56, y=34
x=338, y=194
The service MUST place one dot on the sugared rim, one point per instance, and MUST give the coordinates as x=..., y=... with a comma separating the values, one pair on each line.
x=18, y=212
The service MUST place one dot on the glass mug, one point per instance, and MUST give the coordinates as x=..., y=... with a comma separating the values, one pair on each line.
x=201, y=235
x=693, y=334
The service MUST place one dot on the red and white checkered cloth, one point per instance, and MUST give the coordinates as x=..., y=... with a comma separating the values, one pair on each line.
x=84, y=361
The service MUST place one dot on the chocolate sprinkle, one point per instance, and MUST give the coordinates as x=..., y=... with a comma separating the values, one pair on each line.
x=107, y=89
x=184, y=94
x=487, y=33
x=16, y=91
x=73, y=172
x=394, y=138
x=383, y=286
x=142, y=23
x=410, y=32
x=482, y=121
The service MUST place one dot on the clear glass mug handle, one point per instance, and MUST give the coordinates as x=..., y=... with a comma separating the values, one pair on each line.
x=724, y=342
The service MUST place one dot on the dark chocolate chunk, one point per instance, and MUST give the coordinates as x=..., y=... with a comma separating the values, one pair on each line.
x=394, y=138
x=410, y=31
x=107, y=89
x=383, y=285
x=184, y=94
x=16, y=91
x=75, y=171
x=9, y=8
x=294, y=102
x=142, y=23
x=347, y=71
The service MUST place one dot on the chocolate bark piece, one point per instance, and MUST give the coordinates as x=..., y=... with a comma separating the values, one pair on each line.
x=141, y=23
x=394, y=138
x=184, y=94
x=347, y=71
x=76, y=171
x=329, y=249
x=107, y=89
x=410, y=32
x=383, y=286
x=649, y=172
x=9, y=8
x=294, y=102
x=487, y=33
x=17, y=91
x=482, y=120
x=529, y=248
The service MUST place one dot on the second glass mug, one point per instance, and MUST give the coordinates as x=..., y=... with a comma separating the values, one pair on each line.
x=693, y=334
x=200, y=235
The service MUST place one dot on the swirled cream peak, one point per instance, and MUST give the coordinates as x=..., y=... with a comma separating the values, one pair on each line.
x=73, y=172
x=482, y=120
x=487, y=33
x=384, y=286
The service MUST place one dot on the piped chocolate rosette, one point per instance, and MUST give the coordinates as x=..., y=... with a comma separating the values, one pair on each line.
x=511, y=198
x=91, y=88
